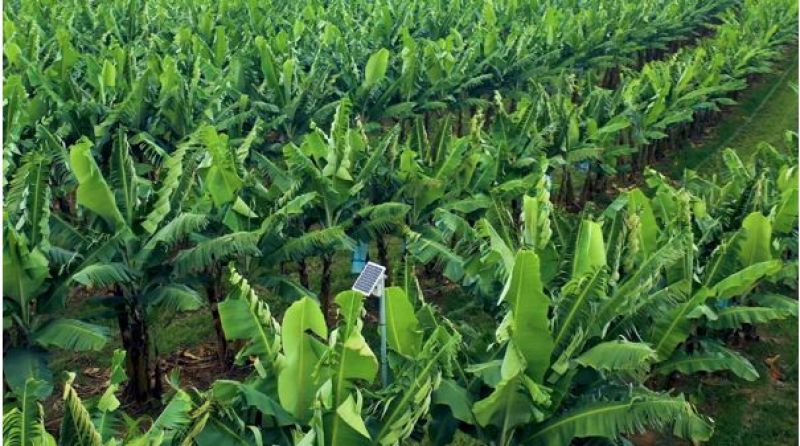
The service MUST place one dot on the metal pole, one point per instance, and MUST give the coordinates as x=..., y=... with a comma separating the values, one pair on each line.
x=382, y=329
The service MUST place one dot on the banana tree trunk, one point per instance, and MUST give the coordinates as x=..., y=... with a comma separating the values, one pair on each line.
x=566, y=193
x=516, y=211
x=599, y=182
x=588, y=187
x=426, y=118
x=136, y=341
x=325, y=288
x=383, y=254
x=158, y=386
x=214, y=294
x=302, y=271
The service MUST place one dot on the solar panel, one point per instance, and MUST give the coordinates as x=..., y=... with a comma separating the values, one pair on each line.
x=369, y=277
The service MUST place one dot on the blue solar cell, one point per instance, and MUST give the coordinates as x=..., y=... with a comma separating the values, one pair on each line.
x=369, y=277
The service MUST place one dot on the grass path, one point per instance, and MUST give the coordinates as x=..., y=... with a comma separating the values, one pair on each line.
x=763, y=412
x=764, y=113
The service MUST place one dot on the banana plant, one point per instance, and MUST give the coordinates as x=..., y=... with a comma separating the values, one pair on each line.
x=443, y=210
x=729, y=297
x=98, y=421
x=98, y=424
x=475, y=238
x=23, y=419
x=142, y=228
x=34, y=266
x=312, y=385
x=221, y=190
x=338, y=169
x=542, y=391
x=606, y=296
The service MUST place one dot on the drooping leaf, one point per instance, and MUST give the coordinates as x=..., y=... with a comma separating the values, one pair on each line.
x=23, y=420
x=528, y=308
x=357, y=361
x=303, y=322
x=778, y=302
x=21, y=364
x=618, y=355
x=375, y=69
x=170, y=182
x=403, y=332
x=108, y=422
x=514, y=400
x=93, y=191
x=576, y=304
x=647, y=273
x=737, y=315
x=175, y=417
x=674, y=327
x=77, y=426
x=745, y=279
x=457, y=398
x=71, y=334
x=412, y=386
x=222, y=180
x=27, y=199
x=101, y=275
x=24, y=269
x=590, y=253
x=175, y=297
x=217, y=250
x=610, y=419
x=348, y=426
x=246, y=317
x=176, y=230
x=755, y=246
x=253, y=396
x=708, y=361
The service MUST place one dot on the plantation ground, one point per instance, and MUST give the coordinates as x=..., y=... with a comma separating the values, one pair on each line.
x=759, y=413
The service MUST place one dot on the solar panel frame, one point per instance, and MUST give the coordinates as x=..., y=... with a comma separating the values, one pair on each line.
x=368, y=278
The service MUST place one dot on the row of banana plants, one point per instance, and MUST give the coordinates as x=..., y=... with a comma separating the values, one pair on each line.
x=147, y=231
x=593, y=309
x=163, y=69
x=596, y=137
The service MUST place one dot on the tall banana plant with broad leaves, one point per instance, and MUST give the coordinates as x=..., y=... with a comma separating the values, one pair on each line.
x=23, y=418
x=764, y=182
x=138, y=224
x=228, y=191
x=98, y=421
x=312, y=385
x=549, y=381
x=476, y=238
x=338, y=168
x=423, y=349
x=729, y=269
x=439, y=169
x=250, y=220
x=452, y=217
x=34, y=267
x=623, y=303
x=228, y=233
x=665, y=296
x=95, y=424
